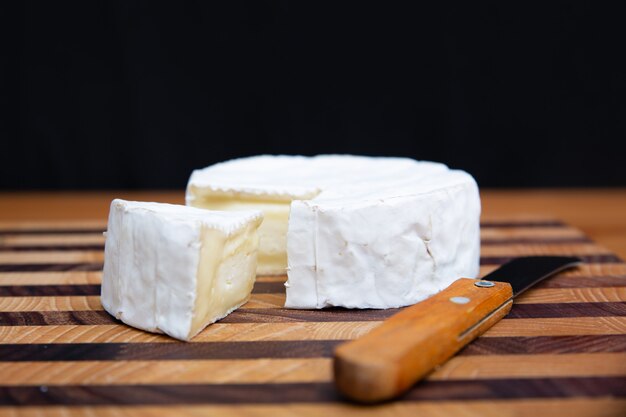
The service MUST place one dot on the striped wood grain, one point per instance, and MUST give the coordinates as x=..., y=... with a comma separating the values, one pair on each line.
x=268, y=371
x=52, y=240
x=560, y=407
x=309, y=347
x=315, y=392
x=563, y=343
x=487, y=252
x=276, y=300
x=294, y=330
x=590, y=271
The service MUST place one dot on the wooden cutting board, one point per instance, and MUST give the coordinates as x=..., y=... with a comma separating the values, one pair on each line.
x=561, y=351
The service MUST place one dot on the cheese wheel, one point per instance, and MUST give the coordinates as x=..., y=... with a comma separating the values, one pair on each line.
x=352, y=231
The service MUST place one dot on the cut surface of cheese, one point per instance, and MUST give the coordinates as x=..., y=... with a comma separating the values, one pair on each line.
x=352, y=231
x=175, y=269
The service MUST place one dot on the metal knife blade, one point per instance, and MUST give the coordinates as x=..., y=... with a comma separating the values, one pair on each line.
x=393, y=356
x=523, y=273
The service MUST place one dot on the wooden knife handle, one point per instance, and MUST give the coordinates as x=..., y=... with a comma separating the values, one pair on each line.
x=391, y=358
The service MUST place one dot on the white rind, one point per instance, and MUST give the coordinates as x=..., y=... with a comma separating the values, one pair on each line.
x=382, y=254
x=363, y=232
x=152, y=255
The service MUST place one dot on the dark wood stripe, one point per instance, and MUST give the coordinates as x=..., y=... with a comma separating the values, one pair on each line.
x=56, y=318
x=261, y=315
x=599, y=258
x=283, y=315
x=167, y=351
x=94, y=266
x=86, y=266
x=522, y=223
x=498, y=389
x=52, y=248
x=544, y=311
x=276, y=315
x=546, y=345
x=94, y=289
x=48, y=290
x=44, y=231
x=564, y=281
x=535, y=241
x=489, y=389
x=94, y=230
x=288, y=349
x=485, y=242
x=279, y=287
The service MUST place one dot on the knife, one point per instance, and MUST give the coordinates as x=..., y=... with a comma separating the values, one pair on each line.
x=395, y=355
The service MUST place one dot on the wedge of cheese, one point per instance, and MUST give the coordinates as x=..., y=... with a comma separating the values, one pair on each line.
x=176, y=269
x=352, y=231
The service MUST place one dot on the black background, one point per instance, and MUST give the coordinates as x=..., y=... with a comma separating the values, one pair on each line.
x=137, y=94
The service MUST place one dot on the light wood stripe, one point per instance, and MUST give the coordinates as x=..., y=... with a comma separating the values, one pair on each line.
x=167, y=372
x=558, y=327
x=505, y=233
x=92, y=302
x=265, y=301
x=562, y=407
x=572, y=295
x=298, y=370
x=271, y=278
x=80, y=334
x=543, y=249
x=52, y=240
x=51, y=278
x=48, y=257
x=536, y=296
x=61, y=303
x=507, y=366
x=53, y=225
x=235, y=332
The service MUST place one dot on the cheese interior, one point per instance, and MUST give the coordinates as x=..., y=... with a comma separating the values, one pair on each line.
x=272, y=255
x=226, y=274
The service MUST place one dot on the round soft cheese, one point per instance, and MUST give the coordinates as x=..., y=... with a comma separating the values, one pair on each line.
x=352, y=231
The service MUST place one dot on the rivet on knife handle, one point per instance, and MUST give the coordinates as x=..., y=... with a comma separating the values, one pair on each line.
x=391, y=358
